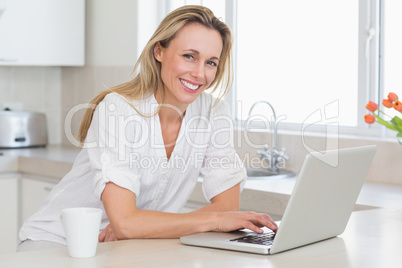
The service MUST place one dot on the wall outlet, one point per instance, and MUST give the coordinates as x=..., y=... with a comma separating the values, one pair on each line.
x=13, y=106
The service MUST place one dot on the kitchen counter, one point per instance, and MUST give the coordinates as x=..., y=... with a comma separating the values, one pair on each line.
x=58, y=153
x=269, y=196
x=53, y=161
x=371, y=239
x=371, y=195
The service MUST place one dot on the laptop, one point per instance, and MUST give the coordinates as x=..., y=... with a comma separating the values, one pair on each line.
x=319, y=208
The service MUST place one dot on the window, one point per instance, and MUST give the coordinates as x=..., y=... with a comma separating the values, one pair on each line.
x=392, y=52
x=392, y=47
x=310, y=55
x=299, y=56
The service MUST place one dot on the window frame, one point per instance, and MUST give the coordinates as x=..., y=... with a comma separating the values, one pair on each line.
x=368, y=85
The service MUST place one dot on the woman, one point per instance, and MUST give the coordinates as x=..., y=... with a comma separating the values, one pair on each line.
x=147, y=141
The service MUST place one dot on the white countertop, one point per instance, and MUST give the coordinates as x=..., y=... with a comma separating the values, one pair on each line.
x=372, y=194
x=371, y=239
x=53, y=161
x=52, y=153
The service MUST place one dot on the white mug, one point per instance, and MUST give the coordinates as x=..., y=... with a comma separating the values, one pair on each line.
x=81, y=226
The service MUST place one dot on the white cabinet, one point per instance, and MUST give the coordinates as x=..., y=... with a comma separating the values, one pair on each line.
x=33, y=191
x=42, y=32
x=9, y=212
x=20, y=197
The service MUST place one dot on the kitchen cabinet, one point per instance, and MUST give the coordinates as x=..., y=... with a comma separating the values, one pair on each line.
x=42, y=32
x=34, y=190
x=9, y=212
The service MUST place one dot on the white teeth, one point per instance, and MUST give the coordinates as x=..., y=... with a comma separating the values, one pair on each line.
x=188, y=85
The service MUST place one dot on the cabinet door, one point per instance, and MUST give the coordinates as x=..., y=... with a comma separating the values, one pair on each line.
x=33, y=192
x=42, y=32
x=9, y=212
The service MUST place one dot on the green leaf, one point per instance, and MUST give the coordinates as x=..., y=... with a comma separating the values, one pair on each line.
x=385, y=123
x=397, y=122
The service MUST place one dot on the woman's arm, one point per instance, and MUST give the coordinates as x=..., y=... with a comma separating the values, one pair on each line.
x=228, y=200
x=127, y=221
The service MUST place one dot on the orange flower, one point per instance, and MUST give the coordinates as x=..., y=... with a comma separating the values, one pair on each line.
x=387, y=103
x=398, y=106
x=392, y=97
x=369, y=118
x=372, y=106
x=395, y=123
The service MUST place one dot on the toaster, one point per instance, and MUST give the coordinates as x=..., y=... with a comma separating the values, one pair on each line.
x=19, y=129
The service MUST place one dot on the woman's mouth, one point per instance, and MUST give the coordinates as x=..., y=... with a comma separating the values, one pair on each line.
x=190, y=86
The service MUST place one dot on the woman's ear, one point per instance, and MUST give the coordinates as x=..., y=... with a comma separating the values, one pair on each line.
x=158, y=52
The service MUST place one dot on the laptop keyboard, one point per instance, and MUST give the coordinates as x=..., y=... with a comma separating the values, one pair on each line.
x=254, y=238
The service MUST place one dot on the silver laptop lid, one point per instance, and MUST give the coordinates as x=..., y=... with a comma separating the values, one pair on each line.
x=324, y=196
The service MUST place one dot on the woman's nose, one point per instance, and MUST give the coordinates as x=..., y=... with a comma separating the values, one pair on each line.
x=198, y=71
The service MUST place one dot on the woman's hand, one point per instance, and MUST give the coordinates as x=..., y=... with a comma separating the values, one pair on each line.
x=107, y=235
x=230, y=221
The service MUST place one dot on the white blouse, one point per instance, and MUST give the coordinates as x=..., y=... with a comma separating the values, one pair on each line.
x=124, y=145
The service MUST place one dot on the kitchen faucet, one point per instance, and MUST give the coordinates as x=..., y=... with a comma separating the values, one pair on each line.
x=273, y=155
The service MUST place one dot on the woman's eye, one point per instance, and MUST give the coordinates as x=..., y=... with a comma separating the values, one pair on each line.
x=188, y=56
x=212, y=63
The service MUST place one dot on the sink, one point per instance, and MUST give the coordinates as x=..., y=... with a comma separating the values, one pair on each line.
x=264, y=173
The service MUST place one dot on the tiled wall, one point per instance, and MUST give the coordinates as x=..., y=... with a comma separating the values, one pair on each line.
x=55, y=90
x=81, y=85
x=34, y=89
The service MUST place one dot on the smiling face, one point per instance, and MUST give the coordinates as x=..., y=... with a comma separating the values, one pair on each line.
x=189, y=63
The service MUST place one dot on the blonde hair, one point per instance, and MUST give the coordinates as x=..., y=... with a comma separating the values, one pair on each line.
x=147, y=70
